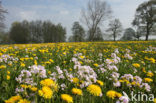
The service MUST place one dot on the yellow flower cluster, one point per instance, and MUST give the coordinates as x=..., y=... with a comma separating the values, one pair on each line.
x=49, y=83
x=17, y=99
x=46, y=92
x=67, y=98
x=13, y=99
x=112, y=94
x=136, y=65
x=148, y=80
x=77, y=91
x=100, y=82
x=94, y=90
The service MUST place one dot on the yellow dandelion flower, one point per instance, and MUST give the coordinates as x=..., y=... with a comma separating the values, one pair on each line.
x=22, y=65
x=148, y=80
x=46, y=92
x=94, y=90
x=150, y=74
x=75, y=80
x=50, y=83
x=67, y=98
x=77, y=91
x=100, y=82
x=111, y=94
x=96, y=65
x=8, y=72
x=2, y=67
x=23, y=101
x=118, y=94
x=8, y=77
x=136, y=65
x=154, y=100
x=13, y=99
x=34, y=89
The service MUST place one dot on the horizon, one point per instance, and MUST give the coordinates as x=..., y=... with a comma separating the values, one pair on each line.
x=66, y=13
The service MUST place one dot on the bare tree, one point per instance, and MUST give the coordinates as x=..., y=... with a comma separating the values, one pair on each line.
x=97, y=11
x=145, y=16
x=115, y=28
x=2, y=17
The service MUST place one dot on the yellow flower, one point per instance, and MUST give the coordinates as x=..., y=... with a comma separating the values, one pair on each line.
x=111, y=94
x=96, y=65
x=154, y=100
x=46, y=92
x=2, y=67
x=13, y=99
x=24, y=101
x=22, y=65
x=136, y=65
x=67, y=98
x=152, y=60
x=77, y=91
x=8, y=72
x=143, y=69
x=50, y=83
x=148, y=80
x=150, y=74
x=24, y=86
x=82, y=57
x=118, y=94
x=75, y=80
x=33, y=89
x=100, y=82
x=8, y=77
x=94, y=90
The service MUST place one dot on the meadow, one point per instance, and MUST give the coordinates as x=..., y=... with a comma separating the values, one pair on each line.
x=85, y=72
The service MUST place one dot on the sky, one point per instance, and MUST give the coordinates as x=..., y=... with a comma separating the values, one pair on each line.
x=65, y=11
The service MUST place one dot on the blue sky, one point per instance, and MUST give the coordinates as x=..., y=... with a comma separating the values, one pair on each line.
x=64, y=11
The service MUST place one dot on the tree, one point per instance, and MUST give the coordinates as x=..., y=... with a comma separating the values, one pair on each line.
x=97, y=11
x=129, y=34
x=115, y=28
x=145, y=17
x=18, y=33
x=98, y=35
x=2, y=17
x=78, y=32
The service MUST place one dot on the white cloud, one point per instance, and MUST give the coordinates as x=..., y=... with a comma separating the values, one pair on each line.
x=28, y=15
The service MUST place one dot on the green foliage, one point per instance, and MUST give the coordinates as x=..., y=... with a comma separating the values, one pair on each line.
x=37, y=32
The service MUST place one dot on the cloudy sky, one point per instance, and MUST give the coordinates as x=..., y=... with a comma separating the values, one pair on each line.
x=64, y=11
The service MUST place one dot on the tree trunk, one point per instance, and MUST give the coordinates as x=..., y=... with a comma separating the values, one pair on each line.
x=114, y=37
x=147, y=33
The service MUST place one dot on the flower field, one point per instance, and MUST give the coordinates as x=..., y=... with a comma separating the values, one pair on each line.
x=93, y=72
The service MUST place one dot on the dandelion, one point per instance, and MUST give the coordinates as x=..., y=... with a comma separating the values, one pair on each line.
x=13, y=99
x=94, y=90
x=154, y=100
x=34, y=89
x=23, y=101
x=22, y=65
x=96, y=65
x=46, y=92
x=50, y=83
x=150, y=74
x=148, y=80
x=2, y=67
x=67, y=98
x=136, y=65
x=111, y=94
x=8, y=77
x=75, y=80
x=100, y=82
x=77, y=91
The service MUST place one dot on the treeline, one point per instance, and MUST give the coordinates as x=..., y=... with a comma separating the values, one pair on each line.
x=93, y=17
x=36, y=32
